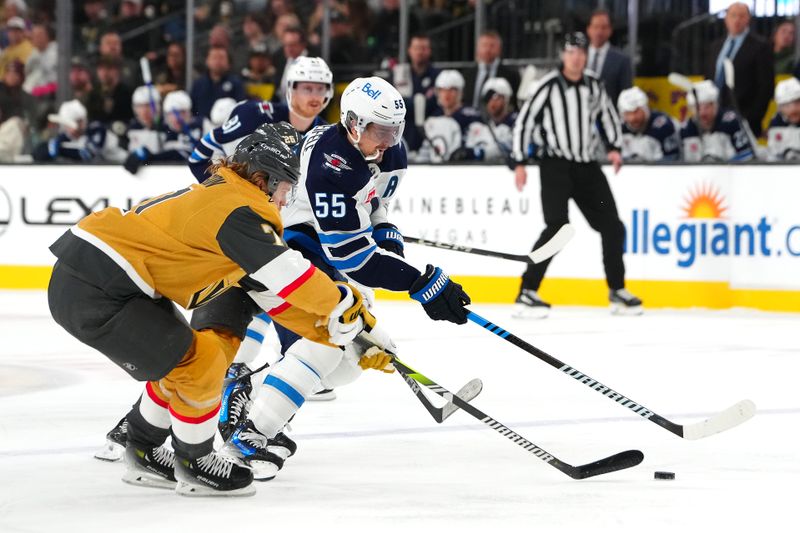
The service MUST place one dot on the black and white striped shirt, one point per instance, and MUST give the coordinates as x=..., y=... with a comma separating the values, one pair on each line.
x=564, y=119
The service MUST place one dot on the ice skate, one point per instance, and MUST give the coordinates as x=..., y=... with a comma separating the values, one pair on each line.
x=236, y=402
x=324, y=395
x=282, y=446
x=149, y=467
x=624, y=303
x=529, y=305
x=213, y=475
x=114, y=450
x=251, y=447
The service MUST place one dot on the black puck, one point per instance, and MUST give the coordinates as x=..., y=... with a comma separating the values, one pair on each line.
x=664, y=475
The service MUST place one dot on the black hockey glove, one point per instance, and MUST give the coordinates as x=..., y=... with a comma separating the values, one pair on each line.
x=388, y=237
x=135, y=160
x=442, y=298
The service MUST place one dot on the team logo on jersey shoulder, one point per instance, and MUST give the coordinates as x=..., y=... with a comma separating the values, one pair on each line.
x=660, y=121
x=336, y=162
x=729, y=116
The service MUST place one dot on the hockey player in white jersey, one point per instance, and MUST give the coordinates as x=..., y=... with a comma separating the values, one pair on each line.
x=447, y=125
x=783, y=136
x=338, y=220
x=712, y=133
x=491, y=139
x=646, y=135
x=309, y=89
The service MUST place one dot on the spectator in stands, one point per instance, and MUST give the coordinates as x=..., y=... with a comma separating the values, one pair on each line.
x=78, y=142
x=387, y=29
x=218, y=82
x=608, y=62
x=110, y=100
x=294, y=46
x=783, y=47
x=19, y=47
x=712, y=133
x=646, y=135
x=752, y=60
x=173, y=76
x=89, y=26
x=259, y=73
x=220, y=37
x=41, y=70
x=14, y=101
x=131, y=17
x=254, y=30
x=345, y=49
x=487, y=59
x=12, y=8
x=111, y=46
x=275, y=37
x=783, y=136
x=419, y=78
x=80, y=80
x=448, y=124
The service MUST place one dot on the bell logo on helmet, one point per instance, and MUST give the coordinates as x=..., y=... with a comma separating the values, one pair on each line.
x=372, y=93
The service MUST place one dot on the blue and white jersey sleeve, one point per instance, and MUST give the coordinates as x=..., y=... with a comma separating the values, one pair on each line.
x=663, y=129
x=339, y=192
x=245, y=118
x=731, y=126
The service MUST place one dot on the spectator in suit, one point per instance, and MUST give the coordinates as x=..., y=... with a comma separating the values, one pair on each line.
x=783, y=47
x=608, y=62
x=294, y=45
x=753, y=62
x=487, y=57
x=216, y=83
x=422, y=76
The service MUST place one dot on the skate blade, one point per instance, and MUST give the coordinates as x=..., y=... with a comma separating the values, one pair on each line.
x=281, y=451
x=624, y=310
x=322, y=397
x=263, y=470
x=134, y=476
x=526, y=312
x=191, y=490
x=111, y=452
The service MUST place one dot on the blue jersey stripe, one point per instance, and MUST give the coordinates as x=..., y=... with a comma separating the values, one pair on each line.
x=353, y=262
x=338, y=237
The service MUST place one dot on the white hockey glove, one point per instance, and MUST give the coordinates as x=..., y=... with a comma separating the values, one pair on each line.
x=349, y=317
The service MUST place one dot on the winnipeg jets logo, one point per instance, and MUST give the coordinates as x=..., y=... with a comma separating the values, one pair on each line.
x=336, y=163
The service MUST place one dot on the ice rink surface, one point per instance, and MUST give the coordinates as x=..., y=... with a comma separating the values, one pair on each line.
x=374, y=460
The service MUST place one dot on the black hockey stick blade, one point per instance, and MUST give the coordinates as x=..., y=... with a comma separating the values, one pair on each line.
x=613, y=463
x=723, y=421
x=467, y=393
x=544, y=252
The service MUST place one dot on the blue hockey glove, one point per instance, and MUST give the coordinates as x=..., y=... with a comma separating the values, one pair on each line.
x=442, y=298
x=388, y=237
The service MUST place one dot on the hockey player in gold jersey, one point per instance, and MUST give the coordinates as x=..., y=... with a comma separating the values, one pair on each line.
x=118, y=273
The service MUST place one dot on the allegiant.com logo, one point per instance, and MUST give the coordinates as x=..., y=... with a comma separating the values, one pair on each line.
x=706, y=231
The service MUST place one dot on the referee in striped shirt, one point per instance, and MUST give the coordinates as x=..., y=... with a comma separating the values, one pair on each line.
x=564, y=117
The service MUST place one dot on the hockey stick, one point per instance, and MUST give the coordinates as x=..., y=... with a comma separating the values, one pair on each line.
x=467, y=393
x=722, y=421
x=556, y=243
x=147, y=77
x=613, y=463
x=730, y=83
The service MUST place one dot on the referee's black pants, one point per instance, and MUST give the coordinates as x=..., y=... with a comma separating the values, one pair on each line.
x=587, y=185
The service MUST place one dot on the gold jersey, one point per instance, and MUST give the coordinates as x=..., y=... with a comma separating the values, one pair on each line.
x=191, y=245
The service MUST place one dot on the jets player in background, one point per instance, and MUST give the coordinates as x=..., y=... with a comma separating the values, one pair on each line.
x=338, y=220
x=447, y=125
x=646, y=135
x=712, y=133
x=174, y=140
x=220, y=112
x=77, y=139
x=491, y=139
x=309, y=89
x=783, y=136
x=115, y=281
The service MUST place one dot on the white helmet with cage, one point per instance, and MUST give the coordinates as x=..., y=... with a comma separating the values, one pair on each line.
x=373, y=100
x=312, y=70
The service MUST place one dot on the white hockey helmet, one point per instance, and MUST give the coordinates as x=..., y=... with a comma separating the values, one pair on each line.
x=450, y=79
x=497, y=85
x=309, y=69
x=373, y=100
x=70, y=113
x=632, y=99
x=177, y=101
x=221, y=110
x=143, y=94
x=706, y=91
x=787, y=91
